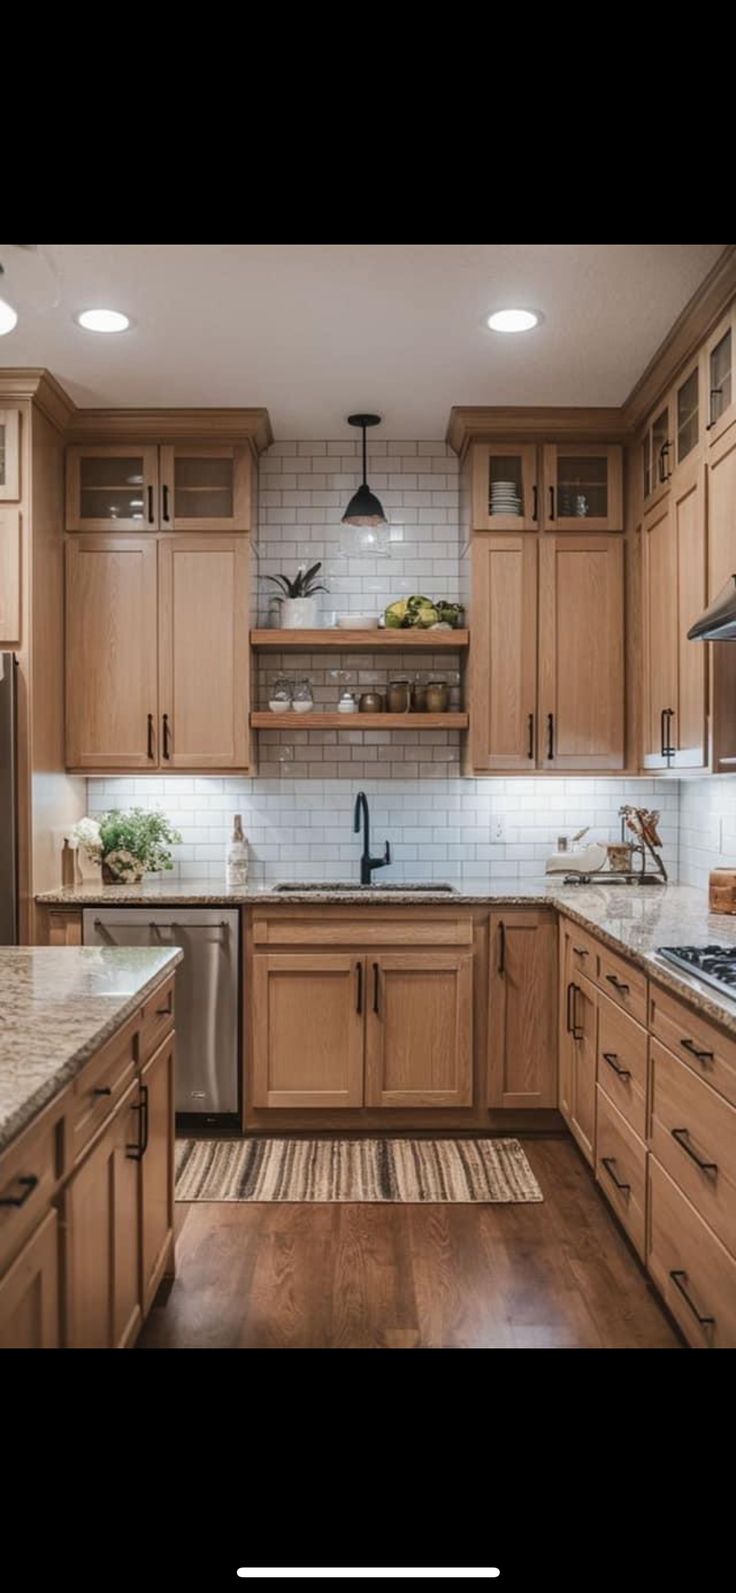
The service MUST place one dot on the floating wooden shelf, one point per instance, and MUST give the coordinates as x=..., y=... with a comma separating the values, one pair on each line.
x=317, y=721
x=346, y=641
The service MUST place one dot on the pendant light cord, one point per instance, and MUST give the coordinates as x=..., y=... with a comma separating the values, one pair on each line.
x=365, y=472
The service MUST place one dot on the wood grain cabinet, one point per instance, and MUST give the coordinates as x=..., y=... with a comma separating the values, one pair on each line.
x=10, y=577
x=419, y=1029
x=9, y=455
x=103, y=1218
x=505, y=487
x=503, y=665
x=157, y=1169
x=720, y=377
x=308, y=1029
x=157, y=653
x=583, y=487
x=523, y=1009
x=657, y=452
x=29, y=1292
x=674, y=596
x=578, y=1035
x=158, y=487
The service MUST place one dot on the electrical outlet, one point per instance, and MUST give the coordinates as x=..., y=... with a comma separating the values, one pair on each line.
x=498, y=829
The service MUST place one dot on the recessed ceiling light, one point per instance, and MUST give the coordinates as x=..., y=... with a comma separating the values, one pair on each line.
x=103, y=321
x=512, y=320
x=8, y=318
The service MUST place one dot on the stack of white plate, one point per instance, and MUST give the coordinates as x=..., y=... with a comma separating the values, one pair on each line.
x=505, y=498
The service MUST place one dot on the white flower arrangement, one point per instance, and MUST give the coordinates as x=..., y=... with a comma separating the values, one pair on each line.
x=86, y=833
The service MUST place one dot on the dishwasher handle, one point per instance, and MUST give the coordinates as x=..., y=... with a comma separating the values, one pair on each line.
x=99, y=923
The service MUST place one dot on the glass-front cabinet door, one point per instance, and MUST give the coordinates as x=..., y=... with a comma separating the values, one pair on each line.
x=721, y=378
x=205, y=488
x=9, y=455
x=658, y=452
x=583, y=487
x=688, y=413
x=505, y=488
x=112, y=488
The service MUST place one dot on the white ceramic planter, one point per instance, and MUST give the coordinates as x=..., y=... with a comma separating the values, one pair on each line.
x=299, y=614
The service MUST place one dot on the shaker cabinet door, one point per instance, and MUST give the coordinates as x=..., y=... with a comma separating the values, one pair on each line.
x=111, y=653
x=419, y=1029
x=308, y=1017
x=581, y=652
x=204, y=652
x=503, y=663
x=205, y=488
x=112, y=488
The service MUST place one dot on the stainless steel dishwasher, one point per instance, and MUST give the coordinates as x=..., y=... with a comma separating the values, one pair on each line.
x=207, y=988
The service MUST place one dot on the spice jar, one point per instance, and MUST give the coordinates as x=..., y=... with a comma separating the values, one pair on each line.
x=436, y=697
x=398, y=696
x=371, y=702
x=419, y=692
x=279, y=697
x=302, y=701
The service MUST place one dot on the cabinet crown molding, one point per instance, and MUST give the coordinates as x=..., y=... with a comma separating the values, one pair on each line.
x=251, y=425
x=471, y=423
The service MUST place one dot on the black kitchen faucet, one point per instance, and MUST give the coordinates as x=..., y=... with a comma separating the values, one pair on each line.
x=367, y=863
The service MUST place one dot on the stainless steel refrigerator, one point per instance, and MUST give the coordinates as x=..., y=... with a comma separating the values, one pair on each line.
x=8, y=801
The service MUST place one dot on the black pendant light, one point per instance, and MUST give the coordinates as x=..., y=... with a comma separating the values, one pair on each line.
x=364, y=507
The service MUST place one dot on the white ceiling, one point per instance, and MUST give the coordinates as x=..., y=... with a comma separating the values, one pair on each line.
x=315, y=331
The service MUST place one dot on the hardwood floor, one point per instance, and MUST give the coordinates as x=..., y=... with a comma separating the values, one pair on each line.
x=559, y=1275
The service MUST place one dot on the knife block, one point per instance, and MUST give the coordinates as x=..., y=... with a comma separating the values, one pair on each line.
x=722, y=890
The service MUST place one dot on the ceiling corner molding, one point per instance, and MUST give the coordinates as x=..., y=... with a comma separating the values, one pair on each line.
x=477, y=423
x=43, y=389
x=173, y=425
x=700, y=315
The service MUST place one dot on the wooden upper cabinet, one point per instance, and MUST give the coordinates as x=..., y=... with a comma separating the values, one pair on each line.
x=308, y=1029
x=583, y=487
x=205, y=488
x=10, y=578
x=204, y=653
x=419, y=1029
x=688, y=413
x=581, y=652
x=503, y=658
x=658, y=451
x=111, y=653
x=9, y=455
x=523, y=1009
x=720, y=377
x=112, y=488
x=505, y=489
x=674, y=595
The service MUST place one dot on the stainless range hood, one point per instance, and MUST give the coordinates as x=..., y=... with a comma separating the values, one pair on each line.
x=718, y=623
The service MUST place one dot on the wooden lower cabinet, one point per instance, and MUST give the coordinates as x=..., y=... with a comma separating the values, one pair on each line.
x=29, y=1292
x=308, y=1029
x=102, y=1202
x=523, y=1009
x=157, y=1169
x=419, y=1029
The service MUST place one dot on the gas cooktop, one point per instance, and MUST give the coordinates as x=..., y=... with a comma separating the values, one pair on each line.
x=714, y=965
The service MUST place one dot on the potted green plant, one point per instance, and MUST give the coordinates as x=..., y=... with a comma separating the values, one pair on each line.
x=134, y=843
x=298, y=602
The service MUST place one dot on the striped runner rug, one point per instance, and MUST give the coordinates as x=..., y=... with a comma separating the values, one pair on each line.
x=405, y=1170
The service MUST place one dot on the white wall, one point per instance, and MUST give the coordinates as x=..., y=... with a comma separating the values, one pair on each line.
x=707, y=827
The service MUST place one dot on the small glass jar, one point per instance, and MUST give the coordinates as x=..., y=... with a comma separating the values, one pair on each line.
x=279, y=697
x=371, y=702
x=347, y=703
x=436, y=697
x=302, y=701
x=398, y=696
x=419, y=692
x=454, y=692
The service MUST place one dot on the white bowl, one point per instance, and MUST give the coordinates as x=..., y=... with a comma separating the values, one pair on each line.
x=357, y=622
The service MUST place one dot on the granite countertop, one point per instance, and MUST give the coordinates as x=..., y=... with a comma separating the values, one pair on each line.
x=58, y=1005
x=632, y=919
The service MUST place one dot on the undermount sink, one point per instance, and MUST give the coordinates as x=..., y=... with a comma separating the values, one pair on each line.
x=408, y=888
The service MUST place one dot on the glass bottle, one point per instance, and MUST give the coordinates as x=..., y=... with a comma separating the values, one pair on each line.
x=302, y=701
x=236, y=855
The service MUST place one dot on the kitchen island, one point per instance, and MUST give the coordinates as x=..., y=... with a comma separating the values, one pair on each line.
x=86, y=1142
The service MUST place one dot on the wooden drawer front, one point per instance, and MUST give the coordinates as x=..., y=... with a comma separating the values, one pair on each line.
x=623, y=983
x=622, y=1063
x=30, y=1170
x=692, y=1125
x=583, y=951
x=702, y=1293
x=101, y=1084
x=710, y=1054
x=158, y=1018
x=321, y=927
x=621, y=1160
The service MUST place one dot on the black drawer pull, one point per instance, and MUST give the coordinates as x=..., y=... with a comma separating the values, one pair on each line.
x=103, y=1089
x=376, y=1007
x=705, y=1321
x=612, y=1059
x=166, y=502
x=29, y=1182
x=535, y=506
x=551, y=503
x=550, y=735
x=502, y=947
x=617, y=983
x=705, y=1167
x=150, y=505
x=166, y=735
x=531, y=736
x=165, y=1012
x=702, y=1056
x=150, y=735
x=359, y=994
x=609, y=1162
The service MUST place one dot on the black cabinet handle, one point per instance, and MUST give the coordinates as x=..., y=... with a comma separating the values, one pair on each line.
x=702, y=1056
x=103, y=1089
x=551, y=503
x=705, y=1167
x=535, y=502
x=705, y=1321
x=375, y=989
x=29, y=1182
x=662, y=749
x=712, y=394
x=166, y=735
x=617, y=983
x=135, y=1153
x=359, y=992
x=570, y=989
x=150, y=505
x=665, y=451
x=150, y=735
x=166, y=502
x=612, y=1059
x=531, y=735
x=609, y=1162
x=502, y=947
x=572, y=1026
x=550, y=735
x=669, y=750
